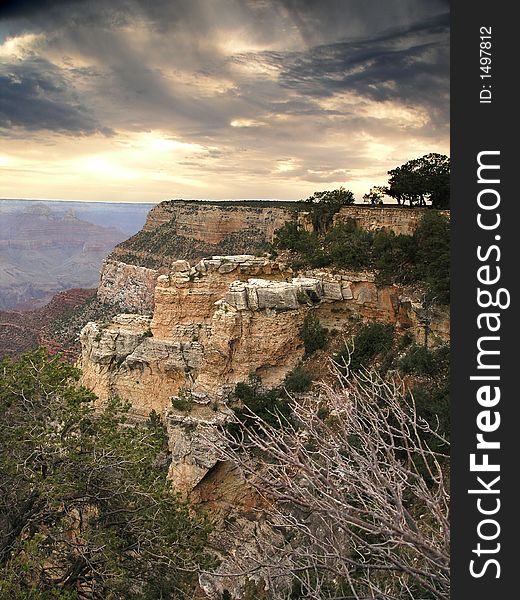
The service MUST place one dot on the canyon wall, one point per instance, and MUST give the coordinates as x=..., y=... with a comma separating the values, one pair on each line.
x=216, y=323
x=191, y=230
x=212, y=222
x=399, y=219
x=198, y=319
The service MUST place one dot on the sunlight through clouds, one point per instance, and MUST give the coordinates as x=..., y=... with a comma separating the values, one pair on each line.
x=217, y=99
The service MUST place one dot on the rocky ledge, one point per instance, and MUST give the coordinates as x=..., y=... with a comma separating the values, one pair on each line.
x=214, y=324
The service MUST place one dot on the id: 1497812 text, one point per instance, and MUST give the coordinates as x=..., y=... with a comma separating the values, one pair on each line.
x=485, y=65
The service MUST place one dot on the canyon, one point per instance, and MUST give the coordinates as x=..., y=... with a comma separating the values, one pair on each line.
x=197, y=302
x=24, y=331
x=195, y=323
x=49, y=247
x=195, y=326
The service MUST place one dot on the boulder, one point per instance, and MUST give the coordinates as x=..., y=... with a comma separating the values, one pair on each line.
x=332, y=291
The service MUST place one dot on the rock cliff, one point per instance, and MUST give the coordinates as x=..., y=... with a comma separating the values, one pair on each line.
x=219, y=321
x=197, y=323
x=191, y=230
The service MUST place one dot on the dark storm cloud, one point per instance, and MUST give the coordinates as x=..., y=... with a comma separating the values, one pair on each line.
x=34, y=95
x=270, y=90
x=317, y=20
x=10, y=9
x=409, y=66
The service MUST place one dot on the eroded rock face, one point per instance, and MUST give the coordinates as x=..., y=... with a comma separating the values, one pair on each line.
x=190, y=230
x=213, y=325
x=399, y=219
x=129, y=286
x=213, y=222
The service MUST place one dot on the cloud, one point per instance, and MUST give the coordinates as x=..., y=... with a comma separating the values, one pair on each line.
x=10, y=9
x=276, y=94
x=410, y=66
x=35, y=95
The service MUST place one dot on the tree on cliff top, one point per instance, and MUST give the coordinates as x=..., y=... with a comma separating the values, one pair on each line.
x=324, y=205
x=85, y=507
x=421, y=179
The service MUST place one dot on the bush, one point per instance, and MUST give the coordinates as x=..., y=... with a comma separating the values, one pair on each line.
x=293, y=237
x=406, y=340
x=431, y=396
x=313, y=334
x=85, y=494
x=394, y=255
x=269, y=404
x=432, y=403
x=183, y=402
x=349, y=247
x=432, y=264
x=299, y=380
x=423, y=257
x=373, y=341
x=419, y=360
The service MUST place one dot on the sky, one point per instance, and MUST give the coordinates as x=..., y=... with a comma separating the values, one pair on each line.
x=139, y=100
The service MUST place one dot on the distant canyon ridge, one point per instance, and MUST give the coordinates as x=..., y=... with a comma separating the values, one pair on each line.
x=48, y=247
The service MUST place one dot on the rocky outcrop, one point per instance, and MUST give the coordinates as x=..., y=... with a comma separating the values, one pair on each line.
x=214, y=324
x=129, y=286
x=399, y=219
x=191, y=230
x=219, y=321
x=121, y=359
x=213, y=222
x=195, y=339
x=179, y=229
x=201, y=319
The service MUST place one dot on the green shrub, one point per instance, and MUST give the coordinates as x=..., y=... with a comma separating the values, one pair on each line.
x=349, y=247
x=421, y=258
x=292, y=236
x=394, y=255
x=73, y=470
x=405, y=340
x=183, y=402
x=432, y=401
x=270, y=405
x=299, y=380
x=420, y=360
x=432, y=239
x=324, y=205
x=372, y=341
x=303, y=297
x=313, y=334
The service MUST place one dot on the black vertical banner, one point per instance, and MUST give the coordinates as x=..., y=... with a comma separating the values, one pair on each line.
x=485, y=327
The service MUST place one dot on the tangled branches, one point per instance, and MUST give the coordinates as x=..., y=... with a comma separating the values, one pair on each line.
x=355, y=487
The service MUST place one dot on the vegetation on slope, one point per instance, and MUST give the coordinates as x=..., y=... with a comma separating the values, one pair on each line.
x=85, y=507
x=357, y=489
x=421, y=258
x=65, y=328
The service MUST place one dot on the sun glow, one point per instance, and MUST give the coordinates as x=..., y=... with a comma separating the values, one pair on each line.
x=20, y=45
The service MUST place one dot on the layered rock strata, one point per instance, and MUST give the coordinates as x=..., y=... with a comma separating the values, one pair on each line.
x=219, y=321
x=192, y=230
